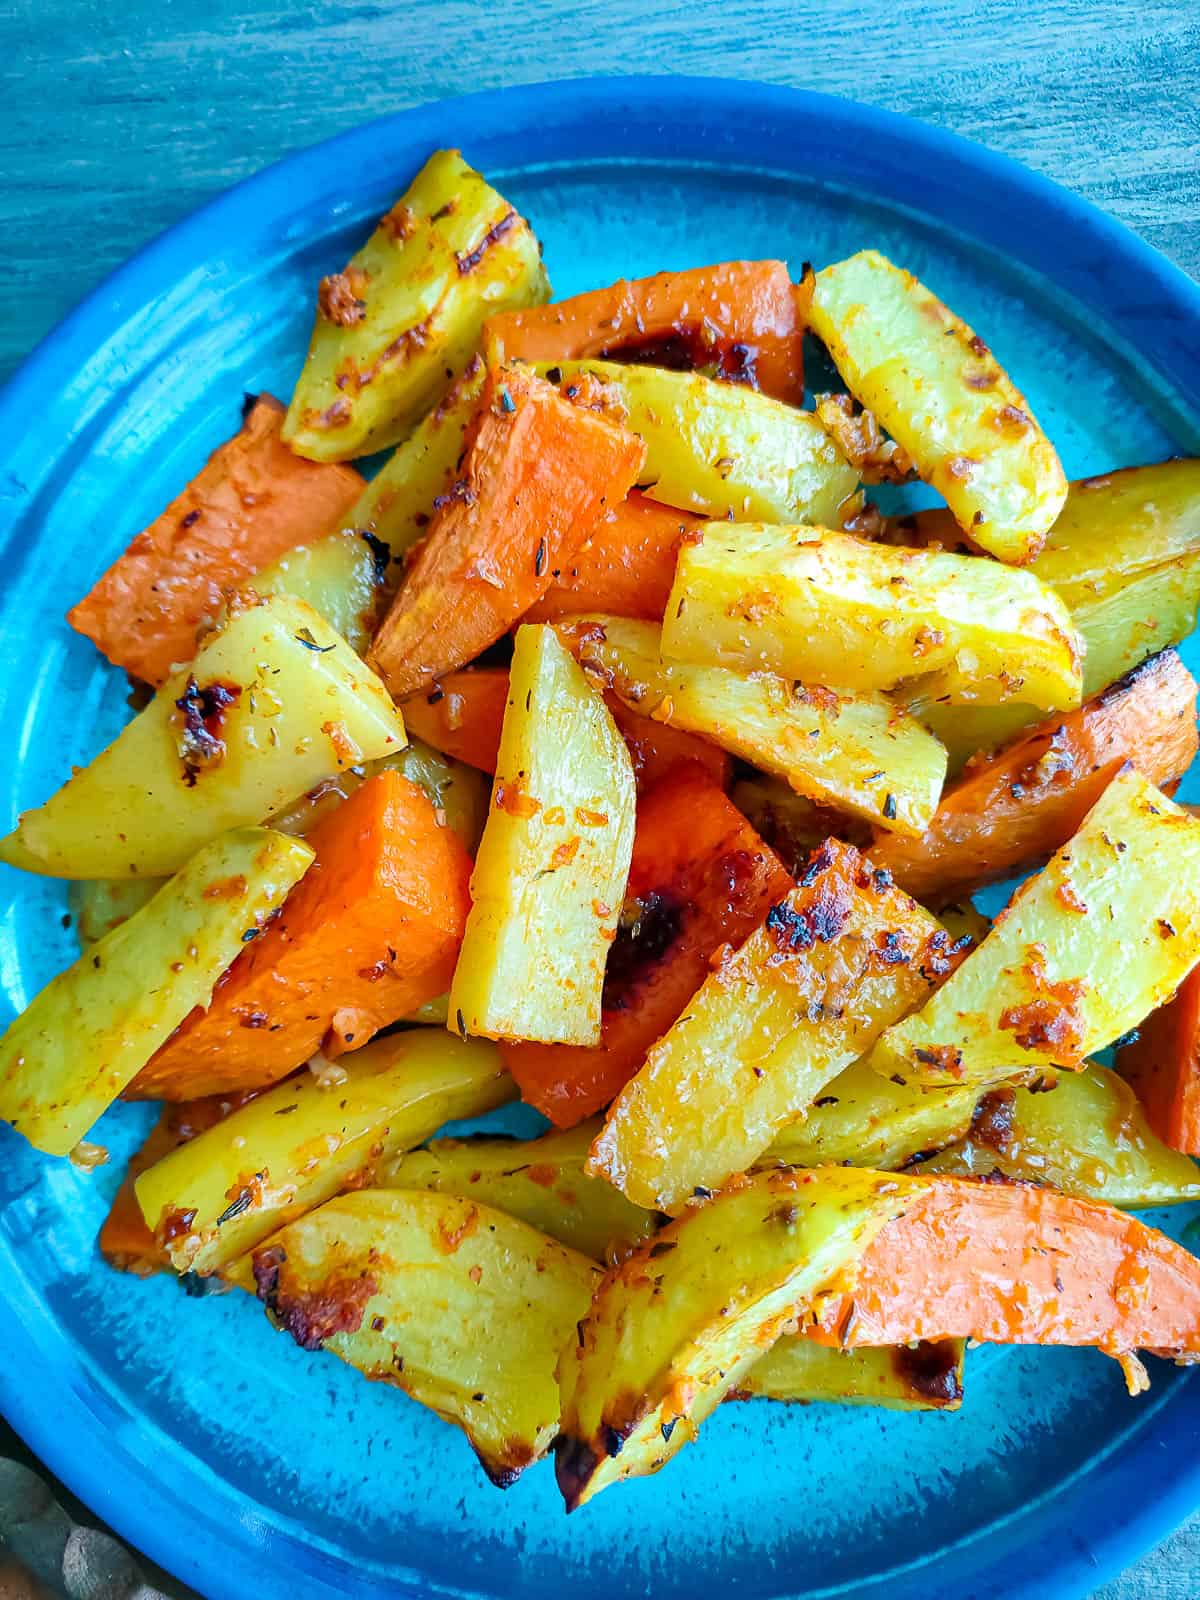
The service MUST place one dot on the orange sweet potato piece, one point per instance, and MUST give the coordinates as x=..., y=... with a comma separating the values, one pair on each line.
x=1010, y=810
x=252, y=501
x=462, y=714
x=537, y=475
x=370, y=933
x=1017, y=1264
x=700, y=878
x=744, y=320
x=126, y=1241
x=1162, y=1063
x=625, y=569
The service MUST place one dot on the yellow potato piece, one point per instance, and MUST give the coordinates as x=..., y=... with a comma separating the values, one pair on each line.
x=857, y=753
x=679, y=1323
x=92, y=1029
x=829, y=608
x=292, y=1148
x=550, y=874
x=462, y=1307
x=342, y=576
x=1085, y=1133
x=922, y=1377
x=273, y=704
x=942, y=395
x=722, y=449
x=403, y=319
x=1099, y=938
x=845, y=954
x=542, y=1181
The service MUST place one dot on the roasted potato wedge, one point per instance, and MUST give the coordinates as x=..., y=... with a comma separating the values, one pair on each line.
x=1082, y=1132
x=343, y=576
x=274, y=703
x=1122, y=896
x=829, y=608
x=926, y=1376
x=89, y=1032
x=678, y=1324
x=397, y=504
x=841, y=957
x=718, y=448
x=550, y=874
x=864, y=1120
x=941, y=394
x=293, y=1147
x=542, y=1181
x=859, y=754
x=404, y=317
x=462, y=1307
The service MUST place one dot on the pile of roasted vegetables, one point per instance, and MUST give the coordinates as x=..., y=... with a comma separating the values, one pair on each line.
x=611, y=749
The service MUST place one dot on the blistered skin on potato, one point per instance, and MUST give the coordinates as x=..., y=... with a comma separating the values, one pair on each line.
x=273, y=704
x=941, y=394
x=1119, y=897
x=826, y=607
x=78, y=1044
x=403, y=319
x=459, y=1305
x=857, y=753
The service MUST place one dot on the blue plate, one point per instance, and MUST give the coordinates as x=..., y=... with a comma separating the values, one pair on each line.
x=215, y=1445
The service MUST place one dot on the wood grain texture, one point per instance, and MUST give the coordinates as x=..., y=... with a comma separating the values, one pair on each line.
x=122, y=118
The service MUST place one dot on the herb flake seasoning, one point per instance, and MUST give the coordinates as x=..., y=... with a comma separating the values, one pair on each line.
x=889, y=808
x=507, y=403
x=539, y=560
x=305, y=638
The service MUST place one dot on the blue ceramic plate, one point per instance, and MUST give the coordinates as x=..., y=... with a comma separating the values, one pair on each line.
x=218, y=1447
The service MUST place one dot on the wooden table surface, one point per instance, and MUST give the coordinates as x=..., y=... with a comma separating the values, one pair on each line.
x=121, y=116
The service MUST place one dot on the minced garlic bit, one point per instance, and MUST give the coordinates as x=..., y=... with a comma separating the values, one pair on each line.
x=87, y=1157
x=329, y=1074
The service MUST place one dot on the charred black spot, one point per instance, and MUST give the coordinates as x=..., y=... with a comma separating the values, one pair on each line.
x=889, y=947
x=381, y=555
x=931, y=1369
x=820, y=861
x=200, y=716
x=470, y=260
x=992, y=1123
x=649, y=926
x=574, y=1463
x=614, y=1440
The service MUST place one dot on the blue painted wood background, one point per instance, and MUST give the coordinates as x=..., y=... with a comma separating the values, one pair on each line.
x=120, y=116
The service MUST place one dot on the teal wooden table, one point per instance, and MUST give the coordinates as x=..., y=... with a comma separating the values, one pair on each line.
x=120, y=118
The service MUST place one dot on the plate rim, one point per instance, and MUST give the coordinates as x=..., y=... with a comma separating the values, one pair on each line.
x=102, y=1470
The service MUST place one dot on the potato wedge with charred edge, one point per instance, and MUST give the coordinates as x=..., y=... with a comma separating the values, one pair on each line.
x=1082, y=1132
x=542, y=1181
x=792, y=825
x=404, y=317
x=1122, y=896
x=855, y=753
x=864, y=1120
x=837, y=960
x=552, y=865
x=941, y=394
x=299, y=1143
x=398, y=503
x=927, y=1376
x=273, y=704
x=717, y=448
x=77, y=1045
x=462, y=1307
x=678, y=1324
x=829, y=608
x=1007, y=814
